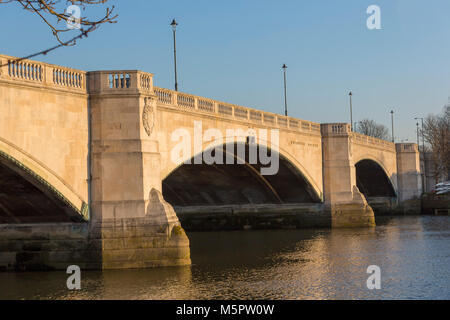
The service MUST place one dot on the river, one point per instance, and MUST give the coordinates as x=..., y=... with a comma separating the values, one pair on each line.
x=413, y=254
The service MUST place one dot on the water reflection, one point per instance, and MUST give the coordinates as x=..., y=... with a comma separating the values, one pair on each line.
x=412, y=252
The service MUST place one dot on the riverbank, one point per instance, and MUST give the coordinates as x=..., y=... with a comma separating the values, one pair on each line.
x=436, y=204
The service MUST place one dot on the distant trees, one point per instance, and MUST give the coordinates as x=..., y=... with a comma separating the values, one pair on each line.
x=436, y=133
x=373, y=129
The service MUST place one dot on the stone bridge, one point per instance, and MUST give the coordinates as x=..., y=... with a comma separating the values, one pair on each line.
x=93, y=163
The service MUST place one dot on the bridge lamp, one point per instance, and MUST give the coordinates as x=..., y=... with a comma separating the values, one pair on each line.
x=284, y=67
x=417, y=130
x=351, y=111
x=423, y=139
x=392, y=120
x=423, y=149
x=174, y=25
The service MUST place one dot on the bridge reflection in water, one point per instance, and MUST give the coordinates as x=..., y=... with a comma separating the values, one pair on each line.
x=278, y=264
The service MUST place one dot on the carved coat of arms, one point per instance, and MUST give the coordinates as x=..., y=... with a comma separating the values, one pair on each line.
x=148, y=116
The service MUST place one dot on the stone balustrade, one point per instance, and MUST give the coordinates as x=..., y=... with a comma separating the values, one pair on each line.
x=46, y=75
x=407, y=147
x=335, y=129
x=120, y=82
x=41, y=74
x=186, y=101
x=134, y=81
x=344, y=129
x=371, y=141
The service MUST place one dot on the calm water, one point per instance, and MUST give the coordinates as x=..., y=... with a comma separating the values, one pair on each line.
x=412, y=252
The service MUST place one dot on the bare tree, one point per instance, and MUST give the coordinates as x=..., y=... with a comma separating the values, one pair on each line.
x=436, y=133
x=373, y=129
x=54, y=13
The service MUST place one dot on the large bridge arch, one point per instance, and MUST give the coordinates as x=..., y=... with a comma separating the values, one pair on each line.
x=389, y=170
x=372, y=178
x=376, y=183
x=231, y=184
x=46, y=197
x=169, y=167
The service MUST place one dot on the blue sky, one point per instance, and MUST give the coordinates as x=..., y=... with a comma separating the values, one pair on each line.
x=233, y=51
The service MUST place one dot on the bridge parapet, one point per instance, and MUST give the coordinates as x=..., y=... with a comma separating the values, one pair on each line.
x=407, y=147
x=120, y=82
x=41, y=74
x=335, y=129
x=362, y=139
x=194, y=103
x=343, y=129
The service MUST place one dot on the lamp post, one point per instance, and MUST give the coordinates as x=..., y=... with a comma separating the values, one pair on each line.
x=418, y=140
x=174, y=25
x=284, y=67
x=351, y=111
x=423, y=154
x=423, y=139
x=392, y=120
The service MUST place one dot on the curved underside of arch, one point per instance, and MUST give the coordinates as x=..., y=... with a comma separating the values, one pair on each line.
x=372, y=180
x=27, y=198
x=237, y=184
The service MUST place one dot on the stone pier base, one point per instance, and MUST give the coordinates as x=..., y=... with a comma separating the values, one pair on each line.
x=48, y=247
x=139, y=243
x=349, y=215
x=409, y=207
x=155, y=240
x=253, y=217
x=354, y=213
x=123, y=244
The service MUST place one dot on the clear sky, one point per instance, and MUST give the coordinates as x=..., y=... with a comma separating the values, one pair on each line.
x=233, y=51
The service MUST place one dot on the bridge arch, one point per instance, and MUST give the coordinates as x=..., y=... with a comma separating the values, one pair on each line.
x=171, y=167
x=372, y=178
x=222, y=184
x=31, y=193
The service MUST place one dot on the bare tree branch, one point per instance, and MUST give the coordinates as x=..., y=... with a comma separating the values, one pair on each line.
x=52, y=13
x=437, y=134
x=373, y=129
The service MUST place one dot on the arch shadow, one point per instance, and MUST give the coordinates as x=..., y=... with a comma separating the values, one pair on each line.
x=372, y=179
x=238, y=184
x=242, y=139
x=31, y=193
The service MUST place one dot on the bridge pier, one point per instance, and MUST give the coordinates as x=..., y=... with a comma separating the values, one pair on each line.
x=137, y=228
x=409, y=178
x=343, y=199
